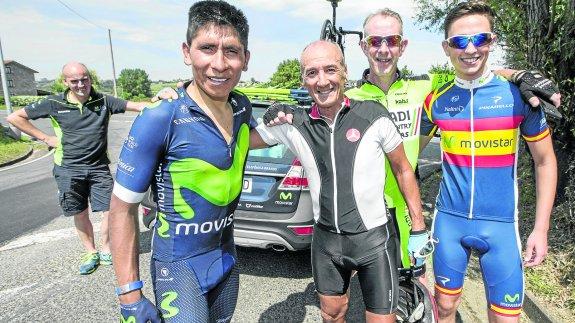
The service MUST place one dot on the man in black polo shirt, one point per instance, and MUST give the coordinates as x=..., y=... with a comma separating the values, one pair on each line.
x=80, y=119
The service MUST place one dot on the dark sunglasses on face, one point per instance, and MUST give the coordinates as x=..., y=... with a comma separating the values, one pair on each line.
x=462, y=41
x=390, y=41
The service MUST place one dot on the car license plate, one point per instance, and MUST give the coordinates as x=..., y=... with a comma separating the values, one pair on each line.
x=247, y=188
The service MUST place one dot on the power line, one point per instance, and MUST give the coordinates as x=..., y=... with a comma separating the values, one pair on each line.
x=79, y=15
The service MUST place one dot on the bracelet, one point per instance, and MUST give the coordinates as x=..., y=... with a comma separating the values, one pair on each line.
x=138, y=284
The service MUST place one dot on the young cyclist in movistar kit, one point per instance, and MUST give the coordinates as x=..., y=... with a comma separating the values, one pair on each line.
x=193, y=150
x=481, y=116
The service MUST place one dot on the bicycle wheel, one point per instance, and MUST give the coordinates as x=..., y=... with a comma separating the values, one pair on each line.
x=328, y=31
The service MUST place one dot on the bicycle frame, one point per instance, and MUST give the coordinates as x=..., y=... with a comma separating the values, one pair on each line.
x=329, y=30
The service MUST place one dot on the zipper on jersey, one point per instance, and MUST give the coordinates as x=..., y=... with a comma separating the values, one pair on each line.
x=471, y=124
x=332, y=152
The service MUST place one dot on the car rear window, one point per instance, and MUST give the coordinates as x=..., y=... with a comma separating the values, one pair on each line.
x=278, y=154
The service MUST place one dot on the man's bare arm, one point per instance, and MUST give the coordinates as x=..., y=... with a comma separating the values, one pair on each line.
x=136, y=106
x=407, y=185
x=546, y=183
x=20, y=120
x=124, y=245
x=256, y=141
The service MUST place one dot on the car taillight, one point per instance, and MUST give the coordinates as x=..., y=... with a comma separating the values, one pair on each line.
x=302, y=230
x=295, y=177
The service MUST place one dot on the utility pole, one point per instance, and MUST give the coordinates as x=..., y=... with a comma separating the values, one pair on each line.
x=5, y=82
x=15, y=132
x=113, y=66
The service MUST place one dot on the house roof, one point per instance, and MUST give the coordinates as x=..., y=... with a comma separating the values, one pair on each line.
x=9, y=61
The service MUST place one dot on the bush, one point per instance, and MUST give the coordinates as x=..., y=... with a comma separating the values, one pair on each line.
x=21, y=100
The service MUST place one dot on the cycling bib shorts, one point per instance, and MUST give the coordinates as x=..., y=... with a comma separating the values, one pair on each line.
x=499, y=251
x=372, y=254
x=197, y=289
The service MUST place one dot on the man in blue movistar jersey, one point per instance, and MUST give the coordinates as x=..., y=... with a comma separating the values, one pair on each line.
x=481, y=117
x=192, y=150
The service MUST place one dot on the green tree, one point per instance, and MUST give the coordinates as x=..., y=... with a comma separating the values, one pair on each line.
x=406, y=72
x=445, y=68
x=58, y=86
x=134, y=84
x=287, y=75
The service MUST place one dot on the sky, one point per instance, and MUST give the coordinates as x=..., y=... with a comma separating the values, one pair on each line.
x=146, y=34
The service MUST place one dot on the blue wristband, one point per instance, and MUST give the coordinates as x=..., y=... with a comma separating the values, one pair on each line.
x=138, y=284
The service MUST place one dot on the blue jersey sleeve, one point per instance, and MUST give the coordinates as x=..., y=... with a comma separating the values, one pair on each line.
x=143, y=151
x=534, y=125
x=427, y=127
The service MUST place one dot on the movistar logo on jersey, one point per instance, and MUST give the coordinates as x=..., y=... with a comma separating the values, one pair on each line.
x=167, y=309
x=449, y=141
x=218, y=186
x=487, y=143
x=511, y=299
x=206, y=227
x=130, y=319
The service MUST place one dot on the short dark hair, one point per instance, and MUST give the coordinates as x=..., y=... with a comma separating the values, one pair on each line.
x=472, y=7
x=217, y=13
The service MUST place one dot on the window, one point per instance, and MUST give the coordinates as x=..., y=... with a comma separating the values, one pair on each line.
x=8, y=70
x=10, y=83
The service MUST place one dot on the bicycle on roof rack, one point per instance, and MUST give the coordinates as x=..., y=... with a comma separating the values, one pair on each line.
x=329, y=30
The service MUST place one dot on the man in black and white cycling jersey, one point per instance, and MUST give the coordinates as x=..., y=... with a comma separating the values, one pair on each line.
x=343, y=145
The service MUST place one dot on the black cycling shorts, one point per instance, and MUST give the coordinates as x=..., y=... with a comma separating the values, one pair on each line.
x=76, y=186
x=372, y=254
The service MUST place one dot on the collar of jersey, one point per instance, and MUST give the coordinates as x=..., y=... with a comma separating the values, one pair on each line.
x=485, y=78
x=64, y=98
x=232, y=100
x=314, y=113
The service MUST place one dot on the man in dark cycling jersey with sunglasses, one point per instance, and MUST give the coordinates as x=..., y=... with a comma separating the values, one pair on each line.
x=481, y=116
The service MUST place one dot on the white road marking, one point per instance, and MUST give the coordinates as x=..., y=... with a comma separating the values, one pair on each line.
x=28, y=162
x=44, y=237
x=8, y=293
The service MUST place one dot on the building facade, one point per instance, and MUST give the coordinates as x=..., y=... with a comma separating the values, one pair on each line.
x=20, y=79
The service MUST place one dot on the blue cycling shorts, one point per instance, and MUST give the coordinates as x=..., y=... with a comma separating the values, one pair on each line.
x=202, y=288
x=499, y=251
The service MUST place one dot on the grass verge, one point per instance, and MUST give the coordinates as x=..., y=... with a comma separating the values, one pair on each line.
x=10, y=148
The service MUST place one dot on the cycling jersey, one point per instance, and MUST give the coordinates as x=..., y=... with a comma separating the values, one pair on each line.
x=81, y=129
x=197, y=181
x=404, y=101
x=344, y=162
x=480, y=123
x=196, y=174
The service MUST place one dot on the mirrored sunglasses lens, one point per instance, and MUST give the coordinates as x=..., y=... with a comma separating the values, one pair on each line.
x=459, y=42
x=393, y=40
x=374, y=41
x=481, y=39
